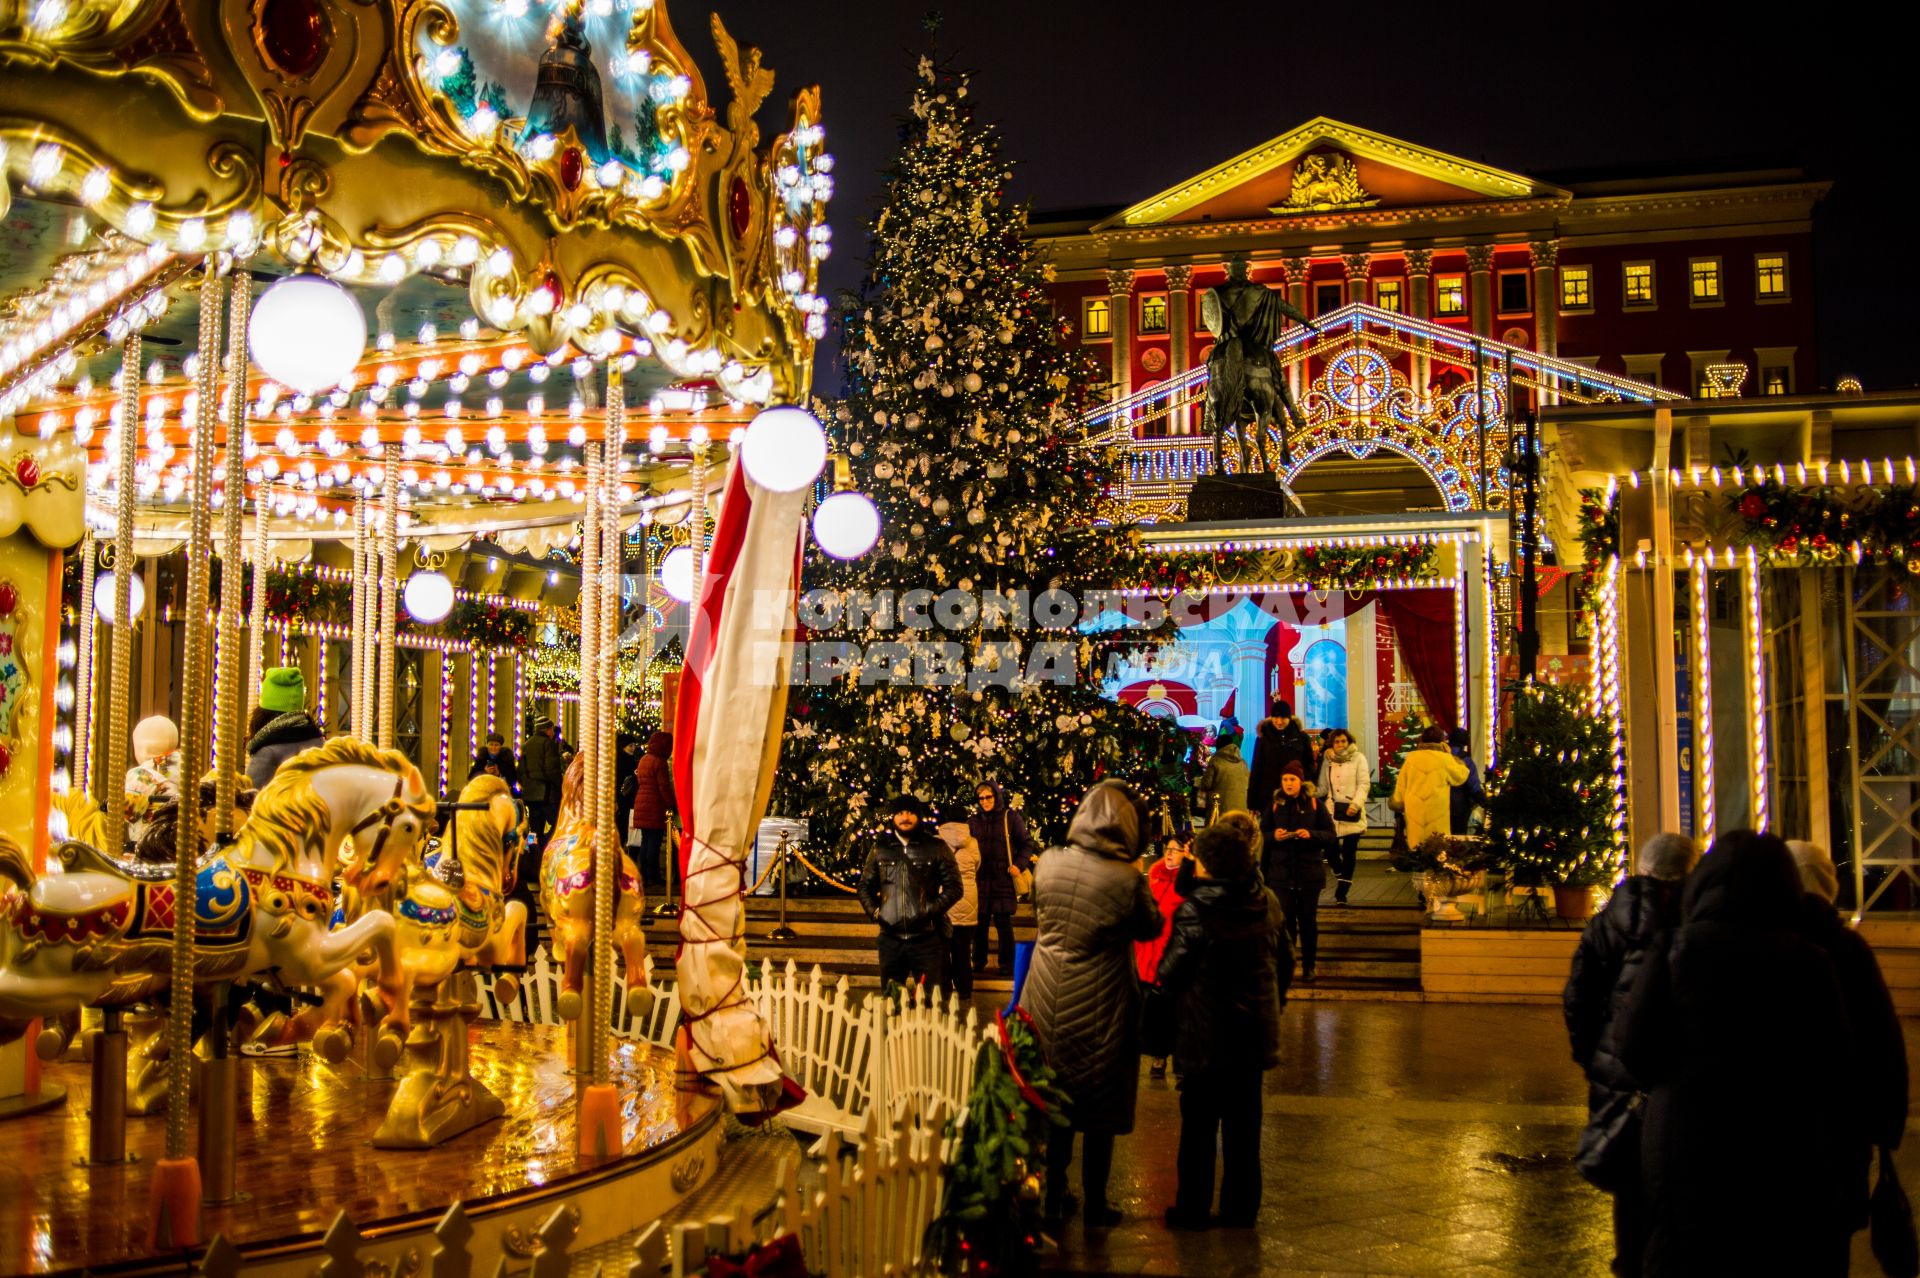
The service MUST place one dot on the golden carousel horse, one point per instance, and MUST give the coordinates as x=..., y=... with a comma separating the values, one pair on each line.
x=100, y=932
x=440, y=924
x=566, y=896
x=452, y=916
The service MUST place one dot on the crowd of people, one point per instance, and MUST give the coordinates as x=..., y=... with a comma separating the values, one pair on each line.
x=1208, y=928
x=1743, y=1057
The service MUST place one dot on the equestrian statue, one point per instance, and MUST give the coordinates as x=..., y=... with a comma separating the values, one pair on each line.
x=1246, y=387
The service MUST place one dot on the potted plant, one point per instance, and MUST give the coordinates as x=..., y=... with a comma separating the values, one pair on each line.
x=1550, y=804
x=1444, y=866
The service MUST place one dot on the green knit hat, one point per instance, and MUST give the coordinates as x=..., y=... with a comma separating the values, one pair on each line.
x=283, y=689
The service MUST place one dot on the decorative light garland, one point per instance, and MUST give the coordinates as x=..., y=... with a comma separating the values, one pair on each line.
x=1703, y=706
x=1756, y=687
x=1605, y=695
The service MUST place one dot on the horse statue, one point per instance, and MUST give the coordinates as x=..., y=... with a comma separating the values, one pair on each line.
x=1246, y=387
x=566, y=895
x=100, y=933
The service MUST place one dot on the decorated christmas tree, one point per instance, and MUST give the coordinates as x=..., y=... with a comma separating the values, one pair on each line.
x=960, y=421
x=1550, y=810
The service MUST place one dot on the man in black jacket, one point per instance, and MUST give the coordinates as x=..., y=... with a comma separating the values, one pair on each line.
x=907, y=886
x=1228, y=965
x=1300, y=838
x=1613, y=958
x=1278, y=740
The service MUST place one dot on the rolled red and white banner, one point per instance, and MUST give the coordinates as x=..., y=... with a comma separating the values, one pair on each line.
x=732, y=700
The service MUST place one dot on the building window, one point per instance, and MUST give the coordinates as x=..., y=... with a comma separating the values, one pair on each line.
x=1449, y=295
x=1389, y=295
x=1096, y=319
x=1576, y=288
x=1513, y=293
x=1153, y=312
x=1776, y=380
x=1327, y=298
x=1770, y=276
x=1639, y=284
x=1704, y=276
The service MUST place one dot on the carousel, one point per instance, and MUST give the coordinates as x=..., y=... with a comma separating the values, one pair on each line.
x=464, y=311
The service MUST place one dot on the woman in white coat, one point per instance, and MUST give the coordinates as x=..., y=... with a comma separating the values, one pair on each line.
x=1346, y=779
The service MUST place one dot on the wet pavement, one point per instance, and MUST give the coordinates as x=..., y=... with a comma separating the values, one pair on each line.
x=1399, y=1138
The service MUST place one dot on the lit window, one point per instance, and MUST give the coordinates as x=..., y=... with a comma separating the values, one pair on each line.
x=1513, y=292
x=1704, y=272
x=1774, y=379
x=1639, y=283
x=1153, y=313
x=1327, y=298
x=1576, y=288
x=1096, y=318
x=1387, y=296
x=1770, y=275
x=1450, y=295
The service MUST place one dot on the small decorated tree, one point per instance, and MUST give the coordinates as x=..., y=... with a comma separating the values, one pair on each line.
x=989, y=1218
x=1550, y=809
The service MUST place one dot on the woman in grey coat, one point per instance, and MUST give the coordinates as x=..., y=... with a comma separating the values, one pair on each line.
x=1092, y=903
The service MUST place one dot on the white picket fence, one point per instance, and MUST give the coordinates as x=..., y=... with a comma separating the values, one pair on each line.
x=868, y=1219
x=857, y=1059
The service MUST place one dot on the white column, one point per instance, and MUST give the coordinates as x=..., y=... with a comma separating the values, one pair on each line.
x=1180, y=316
x=1120, y=324
x=1480, y=268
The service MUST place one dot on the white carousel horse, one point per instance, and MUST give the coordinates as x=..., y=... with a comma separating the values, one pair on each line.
x=566, y=894
x=101, y=933
x=439, y=925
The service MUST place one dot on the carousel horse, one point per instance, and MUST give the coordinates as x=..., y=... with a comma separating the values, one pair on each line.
x=87, y=823
x=446, y=916
x=101, y=931
x=566, y=895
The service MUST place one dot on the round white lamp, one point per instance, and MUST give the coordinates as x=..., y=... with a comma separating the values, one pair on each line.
x=307, y=332
x=103, y=597
x=676, y=573
x=429, y=597
x=784, y=449
x=846, y=525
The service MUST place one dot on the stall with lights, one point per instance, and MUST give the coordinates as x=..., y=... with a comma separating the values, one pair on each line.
x=1755, y=562
x=403, y=343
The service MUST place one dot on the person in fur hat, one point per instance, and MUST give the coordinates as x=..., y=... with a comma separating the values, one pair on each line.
x=1299, y=839
x=907, y=885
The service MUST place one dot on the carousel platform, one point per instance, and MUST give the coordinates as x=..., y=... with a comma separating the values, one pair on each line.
x=304, y=1158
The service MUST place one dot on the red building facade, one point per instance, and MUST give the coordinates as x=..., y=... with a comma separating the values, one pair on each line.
x=1658, y=279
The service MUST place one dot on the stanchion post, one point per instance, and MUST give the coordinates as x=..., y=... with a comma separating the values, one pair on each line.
x=783, y=932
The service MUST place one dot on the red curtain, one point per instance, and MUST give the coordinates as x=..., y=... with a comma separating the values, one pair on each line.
x=1422, y=622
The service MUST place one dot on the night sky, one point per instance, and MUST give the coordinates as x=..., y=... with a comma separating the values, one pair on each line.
x=1103, y=104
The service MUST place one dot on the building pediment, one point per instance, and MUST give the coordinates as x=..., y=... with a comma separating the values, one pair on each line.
x=1325, y=167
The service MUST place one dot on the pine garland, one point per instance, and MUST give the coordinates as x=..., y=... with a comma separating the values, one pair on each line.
x=1358, y=567
x=1818, y=525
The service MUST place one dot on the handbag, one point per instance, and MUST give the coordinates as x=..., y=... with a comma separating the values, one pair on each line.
x=1890, y=1224
x=1609, y=1152
x=1022, y=879
x=1159, y=1023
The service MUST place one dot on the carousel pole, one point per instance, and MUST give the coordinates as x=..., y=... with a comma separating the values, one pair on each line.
x=357, y=650
x=599, y=1102
x=257, y=611
x=174, y=1195
x=219, y=1080
x=84, y=625
x=588, y=732
x=698, y=541
x=107, y=1119
x=389, y=592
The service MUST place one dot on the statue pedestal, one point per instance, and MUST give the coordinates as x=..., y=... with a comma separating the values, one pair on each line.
x=1217, y=498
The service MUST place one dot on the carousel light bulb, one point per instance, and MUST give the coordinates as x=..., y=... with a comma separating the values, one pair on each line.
x=784, y=449
x=307, y=332
x=96, y=186
x=240, y=229
x=577, y=436
x=676, y=573
x=103, y=597
x=141, y=219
